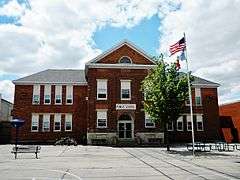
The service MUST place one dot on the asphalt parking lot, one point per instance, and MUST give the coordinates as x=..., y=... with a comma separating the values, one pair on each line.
x=104, y=163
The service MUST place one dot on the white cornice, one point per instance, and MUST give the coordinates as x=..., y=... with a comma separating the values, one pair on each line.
x=120, y=66
x=52, y=83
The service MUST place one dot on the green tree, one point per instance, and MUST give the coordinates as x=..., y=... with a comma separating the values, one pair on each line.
x=165, y=90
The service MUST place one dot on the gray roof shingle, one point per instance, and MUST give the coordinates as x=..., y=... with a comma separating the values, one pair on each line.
x=70, y=76
x=55, y=76
x=200, y=81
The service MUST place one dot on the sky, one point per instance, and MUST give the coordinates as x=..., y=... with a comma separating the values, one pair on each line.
x=38, y=34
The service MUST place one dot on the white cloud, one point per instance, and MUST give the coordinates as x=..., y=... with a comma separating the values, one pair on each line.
x=7, y=90
x=59, y=34
x=212, y=33
x=13, y=8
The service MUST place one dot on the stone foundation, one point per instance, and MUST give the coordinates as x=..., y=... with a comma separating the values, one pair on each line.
x=148, y=138
x=102, y=138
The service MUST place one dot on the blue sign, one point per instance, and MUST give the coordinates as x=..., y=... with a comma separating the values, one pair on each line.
x=16, y=123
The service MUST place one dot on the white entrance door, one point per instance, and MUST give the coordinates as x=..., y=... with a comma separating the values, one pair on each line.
x=125, y=130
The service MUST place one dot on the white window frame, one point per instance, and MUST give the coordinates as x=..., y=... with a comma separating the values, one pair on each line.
x=35, y=119
x=102, y=82
x=180, y=119
x=69, y=94
x=172, y=129
x=189, y=121
x=47, y=92
x=101, y=114
x=198, y=95
x=36, y=92
x=46, y=118
x=125, y=81
x=119, y=61
x=199, y=118
x=68, y=118
x=58, y=92
x=57, y=118
x=147, y=120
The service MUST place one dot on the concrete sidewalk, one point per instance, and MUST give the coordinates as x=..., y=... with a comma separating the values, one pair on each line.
x=104, y=163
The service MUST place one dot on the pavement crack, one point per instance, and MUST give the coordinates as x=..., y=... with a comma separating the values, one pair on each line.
x=64, y=174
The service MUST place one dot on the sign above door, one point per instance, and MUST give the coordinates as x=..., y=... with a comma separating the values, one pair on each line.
x=125, y=106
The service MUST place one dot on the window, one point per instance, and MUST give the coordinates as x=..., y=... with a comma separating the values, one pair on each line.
x=101, y=119
x=187, y=102
x=68, y=122
x=46, y=123
x=47, y=94
x=180, y=124
x=198, y=99
x=170, y=126
x=101, y=89
x=199, y=122
x=149, y=123
x=189, y=123
x=35, y=120
x=57, y=122
x=125, y=60
x=125, y=89
x=58, y=94
x=69, y=95
x=36, y=94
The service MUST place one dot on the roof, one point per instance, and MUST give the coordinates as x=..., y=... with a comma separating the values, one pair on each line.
x=122, y=43
x=8, y=102
x=230, y=103
x=55, y=76
x=203, y=82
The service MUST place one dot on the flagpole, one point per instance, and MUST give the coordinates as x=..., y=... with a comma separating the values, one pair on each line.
x=190, y=98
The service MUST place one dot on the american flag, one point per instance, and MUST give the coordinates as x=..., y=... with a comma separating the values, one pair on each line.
x=178, y=46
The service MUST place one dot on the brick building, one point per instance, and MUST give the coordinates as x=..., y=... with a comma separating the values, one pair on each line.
x=230, y=121
x=5, y=118
x=103, y=103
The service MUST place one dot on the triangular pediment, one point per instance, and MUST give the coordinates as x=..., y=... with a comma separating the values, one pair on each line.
x=121, y=50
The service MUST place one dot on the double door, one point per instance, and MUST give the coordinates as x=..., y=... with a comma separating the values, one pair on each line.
x=125, y=130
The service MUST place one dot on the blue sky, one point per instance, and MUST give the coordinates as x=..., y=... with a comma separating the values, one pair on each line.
x=145, y=35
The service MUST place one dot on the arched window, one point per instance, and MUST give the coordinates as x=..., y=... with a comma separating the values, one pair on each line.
x=125, y=60
x=125, y=117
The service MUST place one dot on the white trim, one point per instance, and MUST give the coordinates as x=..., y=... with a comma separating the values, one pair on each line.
x=120, y=66
x=180, y=119
x=52, y=83
x=69, y=91
x=105, y=111
x=189, y=121
x=124, y=122
x=168, y=126
x=125, y=57
x=199, y=120
x=206, y=85
x=37, y=120
x=119, y=45
x=58, y=88
x=105, y=81
x=69, y=120
x=148, y=117
x=46, y=118
x=36, y=92
x=125, y=80
x=57, y=120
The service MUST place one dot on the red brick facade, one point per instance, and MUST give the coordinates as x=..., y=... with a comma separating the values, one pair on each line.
x=85, y=104
x=231, y=111
x=23, y=109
